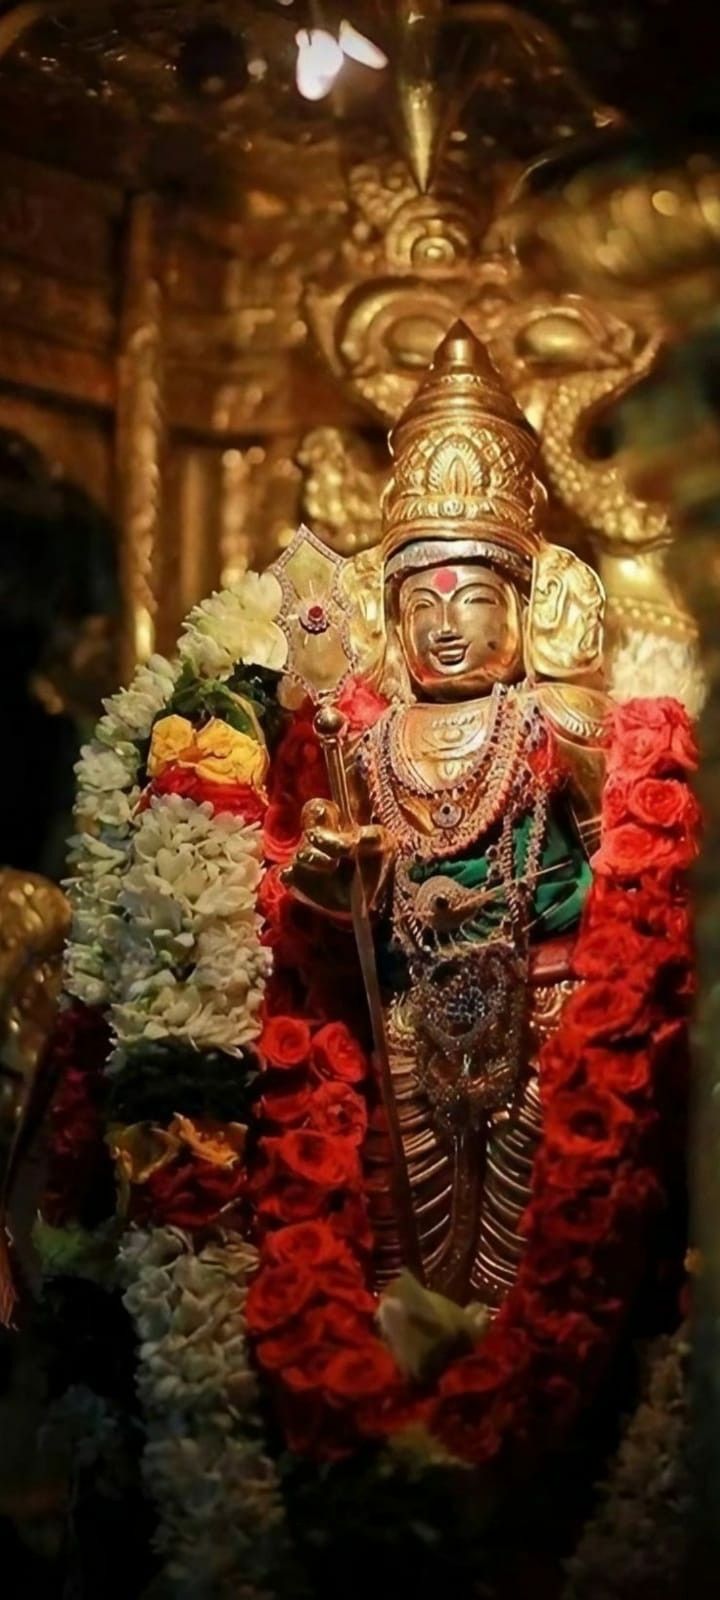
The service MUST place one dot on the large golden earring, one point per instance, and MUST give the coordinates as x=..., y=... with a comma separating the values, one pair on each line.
x=564, y=627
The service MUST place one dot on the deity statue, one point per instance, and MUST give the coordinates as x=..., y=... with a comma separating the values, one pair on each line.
x=472, y=804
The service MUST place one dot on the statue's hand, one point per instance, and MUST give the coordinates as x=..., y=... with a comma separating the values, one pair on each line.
x=328, y=856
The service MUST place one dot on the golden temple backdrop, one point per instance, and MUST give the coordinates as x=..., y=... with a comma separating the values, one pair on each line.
x=211, y=324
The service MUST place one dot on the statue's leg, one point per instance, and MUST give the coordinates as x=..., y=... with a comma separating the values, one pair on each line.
x=512, y=1143
x=429, y=1164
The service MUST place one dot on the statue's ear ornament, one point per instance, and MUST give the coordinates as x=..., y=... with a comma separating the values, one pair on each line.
x=564, y=624
x=331, y=614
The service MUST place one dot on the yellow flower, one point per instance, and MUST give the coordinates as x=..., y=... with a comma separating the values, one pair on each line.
x=226, y=756
x=220, y=1143
x=138, y=1151
x=173, y=739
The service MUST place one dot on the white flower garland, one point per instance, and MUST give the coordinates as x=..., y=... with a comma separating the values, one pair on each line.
x=237, y=624
x=106, y=796
x=188, y=895
x=222, y=1526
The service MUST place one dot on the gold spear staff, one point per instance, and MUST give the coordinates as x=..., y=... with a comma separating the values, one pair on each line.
x=331, y=727
x=326, y=614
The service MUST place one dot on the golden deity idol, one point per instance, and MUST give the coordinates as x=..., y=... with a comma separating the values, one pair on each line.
x=462, y=847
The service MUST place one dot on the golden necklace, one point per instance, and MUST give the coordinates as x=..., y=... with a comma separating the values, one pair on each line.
x=476, y=779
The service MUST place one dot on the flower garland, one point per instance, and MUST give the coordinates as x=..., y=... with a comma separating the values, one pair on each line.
x=167, y=933
x=107, y=791
x=595, y=1178
x=205, y=1455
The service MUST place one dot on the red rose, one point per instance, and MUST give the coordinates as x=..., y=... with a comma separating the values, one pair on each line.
x=285, y=1041
x=669, y=918
x=551, y=1264
x=311, y=1244
x=572, y=1333
x=590, y=1124
x=567, y=1216
x=612, y=947
x=623, y=1072
x=299, y=772
x=603, y=1012
x=275, y=1351
x=501, y=1359
x=308, y=1369
x=652, y=736
x=188, y=1193
x=350, y=1221
x=335, y=1108
x=277, y=1295
x=351, y=1375
x=614, y=800
x=663, y=803
x=291, y=1200
x=290, y=1110
x=338, y=1323
x=337, y=1054
x=281, y=831
x=305, y=1154
x=360, y=705
x=630, y=850
x=343, y=1281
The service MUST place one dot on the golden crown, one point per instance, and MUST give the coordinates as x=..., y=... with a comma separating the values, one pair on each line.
x=463, y=456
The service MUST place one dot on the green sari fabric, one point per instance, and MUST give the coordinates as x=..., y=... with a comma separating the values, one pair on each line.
x=562, y=884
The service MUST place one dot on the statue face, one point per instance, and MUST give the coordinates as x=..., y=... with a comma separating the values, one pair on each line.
x=460, y=630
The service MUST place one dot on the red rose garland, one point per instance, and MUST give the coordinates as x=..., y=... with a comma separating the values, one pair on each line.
x=595, y=1179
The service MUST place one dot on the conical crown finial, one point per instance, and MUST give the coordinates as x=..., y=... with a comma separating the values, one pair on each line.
x=463, y=456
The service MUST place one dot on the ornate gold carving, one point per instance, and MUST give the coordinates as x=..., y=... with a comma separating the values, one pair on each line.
x=341, y=489
x=34, y=923
x=405, y=274
x=565, y=616
x=140, y=429
x=462, y=458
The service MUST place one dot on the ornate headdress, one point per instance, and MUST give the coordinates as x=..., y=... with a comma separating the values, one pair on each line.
x=463, y=488
x=463, y=457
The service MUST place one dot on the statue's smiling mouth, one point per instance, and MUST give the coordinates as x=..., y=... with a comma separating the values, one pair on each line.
x=450, y=653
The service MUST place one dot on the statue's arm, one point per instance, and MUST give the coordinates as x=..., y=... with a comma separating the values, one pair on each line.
x=578, y=717
x=322, y=872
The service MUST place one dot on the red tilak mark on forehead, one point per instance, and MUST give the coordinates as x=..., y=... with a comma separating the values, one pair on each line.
x=444, y=580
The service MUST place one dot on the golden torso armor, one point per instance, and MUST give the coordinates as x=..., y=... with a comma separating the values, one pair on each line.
x=452, y=785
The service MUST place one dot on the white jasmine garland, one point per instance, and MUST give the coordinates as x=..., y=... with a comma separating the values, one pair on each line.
x=237, y=624
x=190, y=963
x=221, y=1520
x=107, y=793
